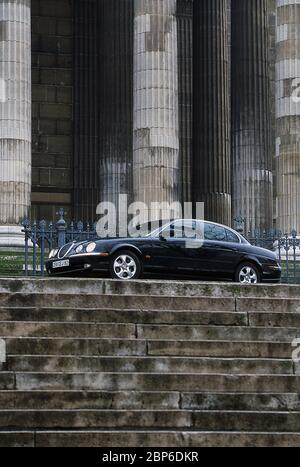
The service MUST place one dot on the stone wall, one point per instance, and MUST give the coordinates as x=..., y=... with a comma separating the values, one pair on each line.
x=52, y=95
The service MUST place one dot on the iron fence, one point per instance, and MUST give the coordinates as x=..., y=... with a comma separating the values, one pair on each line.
x=41, y=237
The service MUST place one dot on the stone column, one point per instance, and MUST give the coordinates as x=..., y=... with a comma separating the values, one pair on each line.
x=103, y=103
x=211, y=112
x=15, y=119
x=251, y=122
x=155, y=136
x=185, y=85
x=288, y=115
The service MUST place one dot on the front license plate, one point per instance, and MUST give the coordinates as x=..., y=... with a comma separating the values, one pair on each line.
x=61, y=264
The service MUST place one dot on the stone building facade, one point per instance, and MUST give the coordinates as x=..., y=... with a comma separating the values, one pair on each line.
x=162, y=100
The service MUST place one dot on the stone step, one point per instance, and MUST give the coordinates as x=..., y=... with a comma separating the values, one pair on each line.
x=137, y=347
x=229, y=401
x=135, y=302
x=231, y=333
x=71, y=330
x=164, y=439
x=17, y=439
x=89, y=400
x=151, y=419
x=137, y=400
x=158, y=287
x=184, y=365
x=147, y=332
x=86, y=315
x=279, y=305
x=242, y=349
x=160, y=439
x=273, y=319
x=152, y=382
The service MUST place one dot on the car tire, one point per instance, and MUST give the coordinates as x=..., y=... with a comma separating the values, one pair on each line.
x=247, y=274
x=125, y=265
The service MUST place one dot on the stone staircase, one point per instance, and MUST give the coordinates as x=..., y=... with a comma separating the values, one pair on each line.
x=182, y=364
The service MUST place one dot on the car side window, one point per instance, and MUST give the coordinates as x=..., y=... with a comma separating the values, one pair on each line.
x=181, y=230
x=214, y=233
x=231, y=237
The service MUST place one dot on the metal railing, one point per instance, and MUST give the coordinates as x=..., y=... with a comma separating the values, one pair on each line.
x=41, y=237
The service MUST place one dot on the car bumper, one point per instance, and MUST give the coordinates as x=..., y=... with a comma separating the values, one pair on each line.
x=271, y=274
x=79, y=263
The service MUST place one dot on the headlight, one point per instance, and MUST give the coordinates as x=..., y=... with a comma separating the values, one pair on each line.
x=79, y=249
x=53, y=253
x=91, y=247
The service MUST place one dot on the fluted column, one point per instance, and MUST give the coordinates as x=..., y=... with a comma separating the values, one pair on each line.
x=15, y=118
x=288, y=115
x=156, y=140
x=185, y=85
x=103, y=104
x=251, y=124
x=211, y=110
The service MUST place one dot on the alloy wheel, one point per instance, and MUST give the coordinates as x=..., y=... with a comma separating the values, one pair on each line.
x=125, y=267
x=248, y=275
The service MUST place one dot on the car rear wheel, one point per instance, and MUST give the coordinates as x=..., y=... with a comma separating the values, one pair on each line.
x=248, y=274
x=125, y=266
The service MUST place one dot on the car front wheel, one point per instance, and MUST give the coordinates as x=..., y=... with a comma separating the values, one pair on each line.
x=125, y=266
x=247, y=274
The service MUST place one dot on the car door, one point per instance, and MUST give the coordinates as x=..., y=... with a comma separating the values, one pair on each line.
x=221, y=253
x=174, y=248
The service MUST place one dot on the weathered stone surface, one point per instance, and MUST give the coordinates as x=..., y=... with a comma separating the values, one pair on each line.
x=166, y=360
x=288, y=114
x=150, y=365
x=22, y=439
x=165, y=439
x=251, y=152
x=155, y=116
x=203, y=290
x=211, y=110
x=15, y=115
x=157, y=382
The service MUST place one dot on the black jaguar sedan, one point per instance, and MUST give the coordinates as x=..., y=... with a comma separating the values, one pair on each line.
x=182, y=247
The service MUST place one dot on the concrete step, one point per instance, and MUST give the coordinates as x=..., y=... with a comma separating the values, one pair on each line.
x=164, y=365
x=138, y=400
x=163, y=439
x=139, y=347
x=71, y=330
x=134, y=302
x=223, y=333
x=151, y=419
x=154, y=382
x=86, y=315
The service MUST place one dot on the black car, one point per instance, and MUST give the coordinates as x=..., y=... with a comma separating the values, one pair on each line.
x=184, y=247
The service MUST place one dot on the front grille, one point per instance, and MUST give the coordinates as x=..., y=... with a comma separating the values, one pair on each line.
x=65, y=250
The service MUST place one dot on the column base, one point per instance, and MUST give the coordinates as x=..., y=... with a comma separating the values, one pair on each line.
x=12, y=237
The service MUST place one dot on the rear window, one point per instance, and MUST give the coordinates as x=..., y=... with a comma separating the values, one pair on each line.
x=232, y=237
